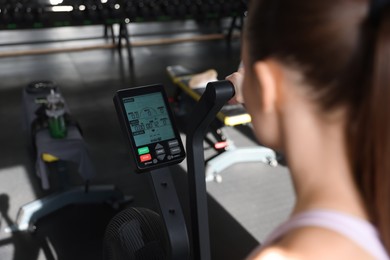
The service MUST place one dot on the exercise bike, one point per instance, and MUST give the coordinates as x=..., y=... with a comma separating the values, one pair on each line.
x=155, y=144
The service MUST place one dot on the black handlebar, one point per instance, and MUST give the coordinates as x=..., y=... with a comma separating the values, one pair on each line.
x=214, y=98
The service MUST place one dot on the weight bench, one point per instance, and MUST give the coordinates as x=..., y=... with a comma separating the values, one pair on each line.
x=48, y=150
x=227, y=154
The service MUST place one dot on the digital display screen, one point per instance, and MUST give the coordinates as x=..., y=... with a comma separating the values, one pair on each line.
x=148, y=118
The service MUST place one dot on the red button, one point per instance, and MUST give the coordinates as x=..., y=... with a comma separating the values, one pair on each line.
x=145, y=157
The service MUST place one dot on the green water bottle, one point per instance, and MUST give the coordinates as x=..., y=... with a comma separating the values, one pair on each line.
x=55, y=111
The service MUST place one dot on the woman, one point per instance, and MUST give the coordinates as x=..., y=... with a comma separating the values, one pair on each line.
x=317, y=85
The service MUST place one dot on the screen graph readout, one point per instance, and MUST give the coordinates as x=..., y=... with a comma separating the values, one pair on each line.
x=148, y=118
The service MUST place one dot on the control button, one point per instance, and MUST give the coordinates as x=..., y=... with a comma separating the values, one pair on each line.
x=145, y=157
x=158, y=146
x=160, y=151
x=161, y=157
x=143, y=150
x=173, y=143
x=155, y=161
x=175, y=150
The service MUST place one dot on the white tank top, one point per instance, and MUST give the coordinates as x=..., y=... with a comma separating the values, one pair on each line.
x=358, y=230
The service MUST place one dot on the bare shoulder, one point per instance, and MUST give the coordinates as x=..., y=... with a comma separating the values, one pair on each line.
x=273, y=253
x=312, y=243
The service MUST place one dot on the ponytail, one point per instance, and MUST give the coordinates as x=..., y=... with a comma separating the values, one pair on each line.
x=369, y=137
x=343, y=48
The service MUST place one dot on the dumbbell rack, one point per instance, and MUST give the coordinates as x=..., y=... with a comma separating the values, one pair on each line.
x=27, y=14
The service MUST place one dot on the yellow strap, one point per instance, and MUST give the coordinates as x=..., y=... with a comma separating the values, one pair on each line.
x=49, y=158
x=235, y=120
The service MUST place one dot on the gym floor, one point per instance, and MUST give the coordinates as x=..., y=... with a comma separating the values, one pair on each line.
x=252, y=199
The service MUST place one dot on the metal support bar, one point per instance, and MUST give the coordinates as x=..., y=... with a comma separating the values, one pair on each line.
x=237, y=23
x=30, y=213
x=172, y=214
x=109, y=28
x=124, y=34
x=238, y=155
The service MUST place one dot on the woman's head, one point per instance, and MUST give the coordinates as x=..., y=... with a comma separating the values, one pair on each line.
x=322, y=39
x=342, y=59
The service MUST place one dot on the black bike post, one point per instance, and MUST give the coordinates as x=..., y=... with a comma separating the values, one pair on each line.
x=172, y=214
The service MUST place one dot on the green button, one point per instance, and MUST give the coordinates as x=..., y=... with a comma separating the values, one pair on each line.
x=143, y=150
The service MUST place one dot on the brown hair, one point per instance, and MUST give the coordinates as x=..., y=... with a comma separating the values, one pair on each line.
x=345, y=57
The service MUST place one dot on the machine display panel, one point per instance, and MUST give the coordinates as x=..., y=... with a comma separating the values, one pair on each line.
x=147, y=121
x=148, y=118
